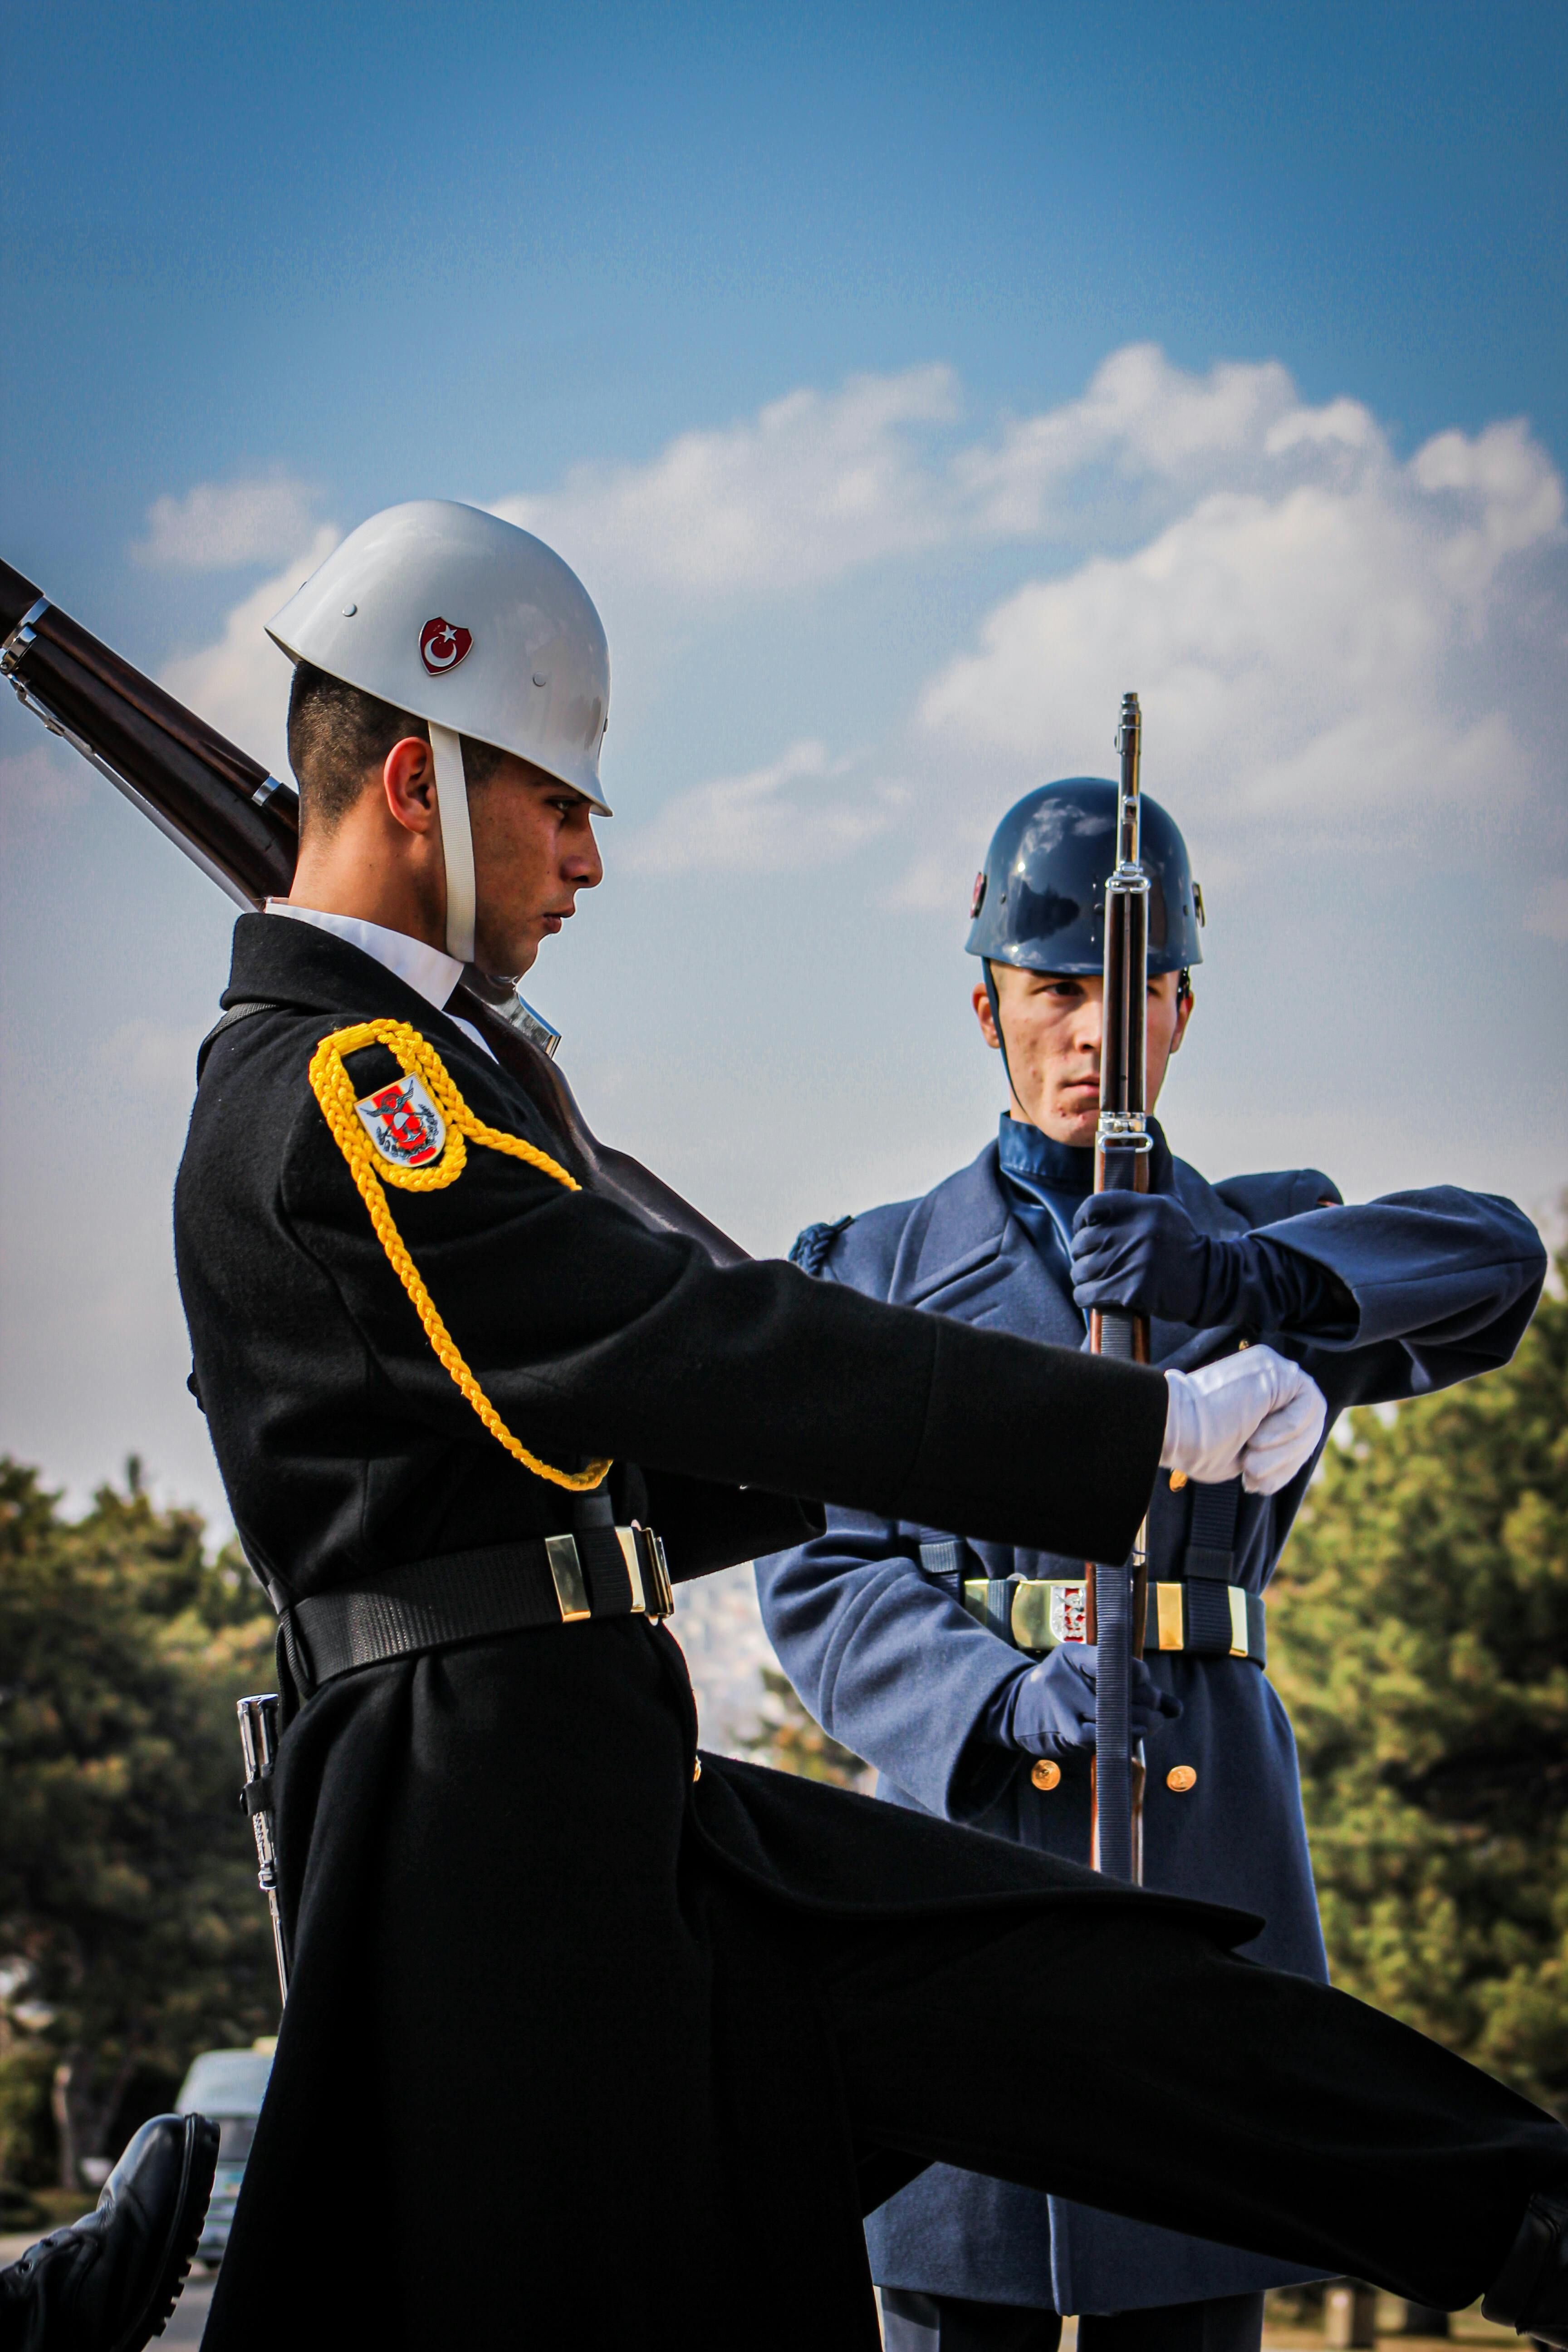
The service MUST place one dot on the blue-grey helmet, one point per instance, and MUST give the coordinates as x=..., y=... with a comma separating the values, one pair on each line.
x=1039, y=898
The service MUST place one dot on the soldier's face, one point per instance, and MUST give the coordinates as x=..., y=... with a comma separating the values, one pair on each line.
x=533, y=851
x=1053, y=1028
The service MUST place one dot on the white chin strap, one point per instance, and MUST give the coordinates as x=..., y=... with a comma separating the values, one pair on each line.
x=457, y=840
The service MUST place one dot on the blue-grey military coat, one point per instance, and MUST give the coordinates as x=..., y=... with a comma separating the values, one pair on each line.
x=887, y=1659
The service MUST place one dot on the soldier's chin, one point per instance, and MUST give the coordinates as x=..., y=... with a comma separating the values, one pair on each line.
x=517, y=958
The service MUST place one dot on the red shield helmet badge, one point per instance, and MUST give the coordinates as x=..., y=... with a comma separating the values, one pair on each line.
x=403, y=1124
x=442, y=646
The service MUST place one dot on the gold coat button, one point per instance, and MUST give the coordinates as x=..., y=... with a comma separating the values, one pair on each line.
x=1046, y=1775
x=1180, y=1777
x=697, y=1767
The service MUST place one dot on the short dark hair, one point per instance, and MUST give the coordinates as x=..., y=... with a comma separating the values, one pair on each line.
x=337, y=734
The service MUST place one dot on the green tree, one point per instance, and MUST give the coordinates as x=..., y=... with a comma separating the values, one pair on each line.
x=1419, y=1633
x=131, y=1931
x=792, y=1741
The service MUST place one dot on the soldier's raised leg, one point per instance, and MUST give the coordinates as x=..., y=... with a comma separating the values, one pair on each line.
x=1172, y=2081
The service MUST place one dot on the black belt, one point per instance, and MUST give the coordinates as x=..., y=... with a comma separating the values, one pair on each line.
x=1206, y=1616
x=464, y=1596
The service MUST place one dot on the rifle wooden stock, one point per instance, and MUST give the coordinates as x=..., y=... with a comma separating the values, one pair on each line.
x=241, y=826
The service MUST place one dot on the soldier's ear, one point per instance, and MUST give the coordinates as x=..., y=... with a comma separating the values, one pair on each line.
x=1184, y=1003
x=982, y=1004
x=408, y=781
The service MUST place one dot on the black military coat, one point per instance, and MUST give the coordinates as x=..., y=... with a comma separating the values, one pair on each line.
x=544, y=2052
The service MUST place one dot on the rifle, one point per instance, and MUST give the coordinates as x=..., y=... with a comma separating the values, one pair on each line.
x=1119, y=1596
x=241, y=826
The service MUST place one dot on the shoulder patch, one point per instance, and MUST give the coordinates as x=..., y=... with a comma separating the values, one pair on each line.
x=814, y=1247
x=423, y=1148
x=403, y=1122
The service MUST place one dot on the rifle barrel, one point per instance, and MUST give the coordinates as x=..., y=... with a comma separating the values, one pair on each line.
x=1122, y=1146
x=220, y=805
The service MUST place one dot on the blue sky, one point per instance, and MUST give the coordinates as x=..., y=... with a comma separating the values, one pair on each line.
x=900, y=381
x=340, y=238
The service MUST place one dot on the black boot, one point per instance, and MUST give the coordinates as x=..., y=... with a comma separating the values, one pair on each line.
x=109, y=2282
x=1531, y=2291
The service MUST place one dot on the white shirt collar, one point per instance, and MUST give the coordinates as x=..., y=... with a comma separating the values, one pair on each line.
x=428, y=972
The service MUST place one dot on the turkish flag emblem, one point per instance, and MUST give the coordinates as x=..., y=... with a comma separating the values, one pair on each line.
x=442, y=646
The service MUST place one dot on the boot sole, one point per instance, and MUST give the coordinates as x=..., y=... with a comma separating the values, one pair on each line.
x=196, y=2172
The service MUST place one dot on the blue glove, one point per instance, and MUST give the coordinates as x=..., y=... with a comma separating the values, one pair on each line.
x=1141, y=1251
x=1049, y=1711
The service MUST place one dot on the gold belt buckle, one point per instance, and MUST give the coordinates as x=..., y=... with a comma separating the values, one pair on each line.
x=648, y=1572
x=566, y=1575
x=1048, y=1611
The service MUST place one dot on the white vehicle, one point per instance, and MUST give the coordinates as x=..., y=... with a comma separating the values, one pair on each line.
x=228, y=2086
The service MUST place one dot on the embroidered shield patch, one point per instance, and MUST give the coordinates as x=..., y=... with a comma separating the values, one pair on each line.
x=403, y=1123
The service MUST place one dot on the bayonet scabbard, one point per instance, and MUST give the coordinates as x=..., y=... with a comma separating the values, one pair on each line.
x=258, y=1745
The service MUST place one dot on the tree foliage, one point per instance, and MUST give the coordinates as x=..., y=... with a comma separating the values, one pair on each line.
x=131, y=1931
x=792, y=1741
x=1419, y=1633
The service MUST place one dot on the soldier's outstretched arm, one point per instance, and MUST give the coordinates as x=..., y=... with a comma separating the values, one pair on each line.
x=1444, y=1283
x=591, y=1335
x=1393, y=1297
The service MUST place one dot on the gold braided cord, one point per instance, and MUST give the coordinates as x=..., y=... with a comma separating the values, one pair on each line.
x=333, y=1090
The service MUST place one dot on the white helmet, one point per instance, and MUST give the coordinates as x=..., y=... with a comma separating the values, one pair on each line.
x=474, y=627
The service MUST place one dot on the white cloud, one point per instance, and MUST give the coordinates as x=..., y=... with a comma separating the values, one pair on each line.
x=218, y=525
x=1506, y=490
x=762, y=822
x=1546, y=910
x=1320, y=631
x=818, y=483
x=1328, y=633
x=1141, y=421
x=813, y=485
x=240, y=684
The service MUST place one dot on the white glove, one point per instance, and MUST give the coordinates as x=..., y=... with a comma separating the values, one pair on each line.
x=1256, y=1413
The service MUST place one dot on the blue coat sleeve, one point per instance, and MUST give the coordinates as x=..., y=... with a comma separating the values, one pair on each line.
x=1444, y=1282
x=887, y=1662
x=881, y=1654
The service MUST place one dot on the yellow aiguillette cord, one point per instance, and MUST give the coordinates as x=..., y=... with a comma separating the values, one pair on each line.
x=333, y=1090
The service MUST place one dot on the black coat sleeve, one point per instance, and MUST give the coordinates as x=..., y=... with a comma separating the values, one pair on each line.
x=593, y=1335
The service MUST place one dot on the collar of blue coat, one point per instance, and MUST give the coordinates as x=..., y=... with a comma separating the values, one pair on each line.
x=1040, y=1160
x=1040, y=1164
x=1044, y=1182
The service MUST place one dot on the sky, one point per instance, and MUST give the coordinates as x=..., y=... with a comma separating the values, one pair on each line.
x=905, y=384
